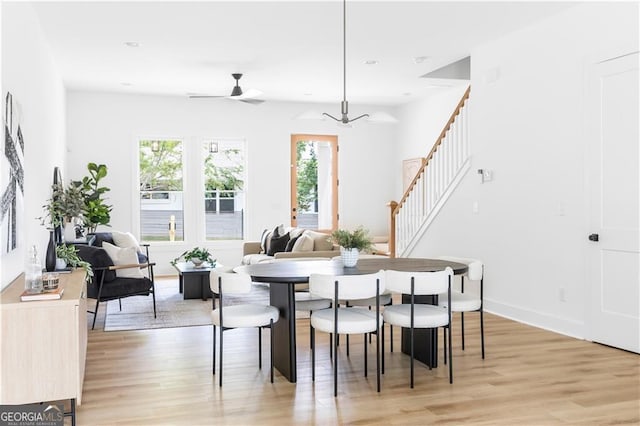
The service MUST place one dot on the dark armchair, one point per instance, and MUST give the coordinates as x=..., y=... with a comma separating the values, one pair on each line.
x=105, y=284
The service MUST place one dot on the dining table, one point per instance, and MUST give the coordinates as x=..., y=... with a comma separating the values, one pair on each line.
x=282, y=278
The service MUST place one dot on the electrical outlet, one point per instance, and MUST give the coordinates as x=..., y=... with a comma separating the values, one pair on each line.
x=562, y=294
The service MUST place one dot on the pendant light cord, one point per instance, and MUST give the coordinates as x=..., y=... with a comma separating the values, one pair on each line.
x=344, y=107
x=344, y=50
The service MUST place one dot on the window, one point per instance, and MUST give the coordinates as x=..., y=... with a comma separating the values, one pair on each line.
x=224, y=177
x=161, y=190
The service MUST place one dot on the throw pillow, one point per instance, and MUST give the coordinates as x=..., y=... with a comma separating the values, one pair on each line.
x=267, y=243
x=320, y=241
x=124, y=256
x=291, y=242
x=125, y=239
x=278, y=243
x=304, y=243
x=264, y=241
x=295, y=232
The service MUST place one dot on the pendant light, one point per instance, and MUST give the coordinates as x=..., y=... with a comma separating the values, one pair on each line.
x=344, y=105
x=379, y=117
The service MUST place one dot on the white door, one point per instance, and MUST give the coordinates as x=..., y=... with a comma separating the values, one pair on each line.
x=614, y=274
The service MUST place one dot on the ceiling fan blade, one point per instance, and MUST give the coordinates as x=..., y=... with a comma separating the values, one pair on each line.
x=250, y=93
x=206, y=96
x=252, y=101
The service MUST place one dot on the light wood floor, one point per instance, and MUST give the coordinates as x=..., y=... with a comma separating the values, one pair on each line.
x=529, y=377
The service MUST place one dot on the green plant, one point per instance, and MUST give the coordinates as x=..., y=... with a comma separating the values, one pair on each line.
x=95, y=210
x=70, y=255
x=64, y=204
x=195, y=253
x=358, y=239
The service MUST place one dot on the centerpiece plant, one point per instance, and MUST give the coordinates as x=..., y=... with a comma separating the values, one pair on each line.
x=351, y=244
x=197, y=256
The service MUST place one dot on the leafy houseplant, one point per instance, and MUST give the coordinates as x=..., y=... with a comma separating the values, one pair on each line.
x=358, y=239
x=351, y=243
x=197, y=256
x=64, y=204
x=69, y=254
x=95, y=210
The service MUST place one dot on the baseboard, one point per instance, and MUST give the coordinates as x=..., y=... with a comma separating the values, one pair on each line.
x=554, y=323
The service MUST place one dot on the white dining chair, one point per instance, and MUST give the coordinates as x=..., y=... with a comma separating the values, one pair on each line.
x=242, y=315
x=385, y=300
x=305, y=301
x=341, y=320
x=417, y=315
x=469, y=299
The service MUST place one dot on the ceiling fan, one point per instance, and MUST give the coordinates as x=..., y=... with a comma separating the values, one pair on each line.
x=250, y=96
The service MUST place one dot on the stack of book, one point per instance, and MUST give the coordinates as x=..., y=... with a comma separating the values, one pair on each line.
x=46, y=295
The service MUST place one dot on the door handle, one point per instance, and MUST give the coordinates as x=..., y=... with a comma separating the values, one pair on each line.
x=594, y=237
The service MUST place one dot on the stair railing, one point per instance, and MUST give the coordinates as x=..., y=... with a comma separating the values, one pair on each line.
x=440, y=172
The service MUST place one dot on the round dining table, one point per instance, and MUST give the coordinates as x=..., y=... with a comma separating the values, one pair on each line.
x=282, y=277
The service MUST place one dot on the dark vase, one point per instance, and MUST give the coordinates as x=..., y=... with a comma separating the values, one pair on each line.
x=50, y=258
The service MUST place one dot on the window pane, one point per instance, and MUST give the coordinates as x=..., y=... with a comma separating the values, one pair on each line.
x=224, y=176
x=161, y=192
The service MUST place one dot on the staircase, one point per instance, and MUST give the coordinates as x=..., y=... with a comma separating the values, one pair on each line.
x=441, y=171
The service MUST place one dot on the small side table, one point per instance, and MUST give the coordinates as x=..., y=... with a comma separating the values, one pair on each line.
x=85, y=241
x=194, y=281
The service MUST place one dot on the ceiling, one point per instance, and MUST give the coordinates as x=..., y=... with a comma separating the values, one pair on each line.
x=291, y=51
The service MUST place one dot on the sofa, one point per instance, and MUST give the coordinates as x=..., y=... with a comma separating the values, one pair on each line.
x=287, y=243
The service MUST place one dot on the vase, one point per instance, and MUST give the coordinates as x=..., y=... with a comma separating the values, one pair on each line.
x=349, y=256
x=69, y=231
x=60, y=264
x=196, y=262
x=50, y=257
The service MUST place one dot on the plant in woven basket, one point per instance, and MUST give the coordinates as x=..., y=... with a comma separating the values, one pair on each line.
x=196, y=255
x=358, y=239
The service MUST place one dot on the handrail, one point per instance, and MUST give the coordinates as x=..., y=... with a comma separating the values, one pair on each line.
x=433, y=182
x=425, y=161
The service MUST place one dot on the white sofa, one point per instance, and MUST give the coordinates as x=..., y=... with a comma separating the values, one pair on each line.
x=308, y=243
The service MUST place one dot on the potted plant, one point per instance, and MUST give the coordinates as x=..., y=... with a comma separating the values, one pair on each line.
x=95, y=210
x=64, y=204
x=351, y=244
x=197, y=256
x=67, y=255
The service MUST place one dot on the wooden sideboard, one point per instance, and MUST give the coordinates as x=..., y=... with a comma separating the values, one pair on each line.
x=43, y=343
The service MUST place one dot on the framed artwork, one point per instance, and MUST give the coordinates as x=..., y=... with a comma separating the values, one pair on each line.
x=410, y=168
x=12, y=188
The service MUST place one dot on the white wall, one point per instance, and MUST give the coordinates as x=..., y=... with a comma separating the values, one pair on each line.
x=29, y=73
x=104, y=128
x=528, y=127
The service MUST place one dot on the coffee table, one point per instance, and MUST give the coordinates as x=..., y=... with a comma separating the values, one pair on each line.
x=193, y=281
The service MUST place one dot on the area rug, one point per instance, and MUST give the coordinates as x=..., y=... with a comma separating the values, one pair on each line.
x=172, y=310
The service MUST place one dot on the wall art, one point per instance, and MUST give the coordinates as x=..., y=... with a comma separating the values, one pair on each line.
x=12, y=186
